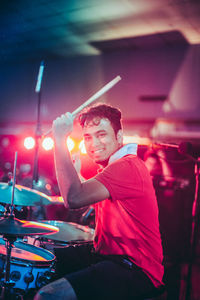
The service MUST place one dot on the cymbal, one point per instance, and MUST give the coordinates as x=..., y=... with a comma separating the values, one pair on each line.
x=69, y=231
x=23, y=196
x=16, y=227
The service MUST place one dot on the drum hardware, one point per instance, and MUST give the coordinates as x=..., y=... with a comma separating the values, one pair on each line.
x=8, y=284
x=69, y=231
x=38, y=131
x=69, y=234
x=86, y=215
x=11, y=228
x=23, y=196
x=2, y=210
x=30, y=266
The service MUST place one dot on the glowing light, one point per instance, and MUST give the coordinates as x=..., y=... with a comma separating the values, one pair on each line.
x=82, y=147
x=70, y=144
x=29, y=143
x=39, y=183
x=136, y=139
x=164, y=128
x=48, y=186
x=47, y=143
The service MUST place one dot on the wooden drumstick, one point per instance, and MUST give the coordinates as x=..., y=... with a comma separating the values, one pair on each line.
x=98, y=94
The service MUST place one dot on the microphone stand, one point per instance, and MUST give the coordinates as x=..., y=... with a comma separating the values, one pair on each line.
x=38, y=135
x=194, y=230
x=38, y=132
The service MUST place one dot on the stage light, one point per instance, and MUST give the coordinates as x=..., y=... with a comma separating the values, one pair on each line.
x=29, y=143
x=48, y=187
x=70, y=144
x=47, y=143
x=82, y=147
x=136, y=139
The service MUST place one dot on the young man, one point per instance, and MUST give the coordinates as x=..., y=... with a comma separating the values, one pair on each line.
x=126, y=262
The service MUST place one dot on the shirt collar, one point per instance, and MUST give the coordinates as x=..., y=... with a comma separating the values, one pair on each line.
x=125, y=150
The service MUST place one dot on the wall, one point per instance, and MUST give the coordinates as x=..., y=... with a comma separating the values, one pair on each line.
x=171, y=71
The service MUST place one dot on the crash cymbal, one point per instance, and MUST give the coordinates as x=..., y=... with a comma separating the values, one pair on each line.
x=69, y=231
x=16, y=227
x=23, y=196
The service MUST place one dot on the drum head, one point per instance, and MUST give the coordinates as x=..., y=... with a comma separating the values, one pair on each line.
x=70, y=232
x=25, y=252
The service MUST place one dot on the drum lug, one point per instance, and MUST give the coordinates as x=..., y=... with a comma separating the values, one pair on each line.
x=41, y=280
x=48, y=275
x=28, y=277
x=52, y=271
x=15, y=276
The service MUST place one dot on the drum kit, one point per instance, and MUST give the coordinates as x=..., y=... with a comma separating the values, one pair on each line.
x=25, y=267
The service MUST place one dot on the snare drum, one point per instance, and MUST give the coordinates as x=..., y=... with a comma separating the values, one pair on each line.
x=30, y=267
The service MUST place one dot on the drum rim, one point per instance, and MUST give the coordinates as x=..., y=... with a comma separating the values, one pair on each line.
x=83, y=229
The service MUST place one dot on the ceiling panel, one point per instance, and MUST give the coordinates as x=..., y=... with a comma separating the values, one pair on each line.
x=38, y=28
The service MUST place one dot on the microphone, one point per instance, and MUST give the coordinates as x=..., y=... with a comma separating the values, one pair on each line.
x=164, y=145
x=39, y=79
x=185, y=148
x=189, y=149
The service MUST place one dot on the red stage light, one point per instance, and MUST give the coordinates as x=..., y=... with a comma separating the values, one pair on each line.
x=29, y=143
x=47, y=143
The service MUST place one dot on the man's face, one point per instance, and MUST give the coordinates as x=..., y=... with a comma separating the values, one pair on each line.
x=100, y=140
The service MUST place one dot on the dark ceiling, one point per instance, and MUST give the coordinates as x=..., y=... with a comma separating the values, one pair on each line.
x=62, y=28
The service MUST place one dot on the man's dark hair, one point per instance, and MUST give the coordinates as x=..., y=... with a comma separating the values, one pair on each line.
x=102, y=111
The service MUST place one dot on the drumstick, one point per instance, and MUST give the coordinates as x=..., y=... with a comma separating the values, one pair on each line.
x=98, y=94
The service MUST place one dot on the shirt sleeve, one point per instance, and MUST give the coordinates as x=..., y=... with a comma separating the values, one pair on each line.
x=122, y=178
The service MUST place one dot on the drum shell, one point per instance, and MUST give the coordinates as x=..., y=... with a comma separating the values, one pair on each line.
x=22, y=269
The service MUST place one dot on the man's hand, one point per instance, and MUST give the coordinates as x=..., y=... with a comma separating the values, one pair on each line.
x=63, y=126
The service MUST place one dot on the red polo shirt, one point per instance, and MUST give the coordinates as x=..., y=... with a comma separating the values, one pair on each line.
x=127, y=223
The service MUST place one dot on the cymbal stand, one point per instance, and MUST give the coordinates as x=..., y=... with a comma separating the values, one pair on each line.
x=194, y=229
x=7, y=284
x=10, y=209
x=9, y=242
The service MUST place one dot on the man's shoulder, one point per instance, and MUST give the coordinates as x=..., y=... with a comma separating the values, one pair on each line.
x=124, y=162
x=128, y=158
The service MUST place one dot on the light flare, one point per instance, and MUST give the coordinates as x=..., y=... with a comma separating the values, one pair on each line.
x=48, y=143
x=29, y=142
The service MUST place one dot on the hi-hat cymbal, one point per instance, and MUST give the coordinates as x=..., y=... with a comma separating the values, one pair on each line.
x=16, y=227
x=23, y=196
